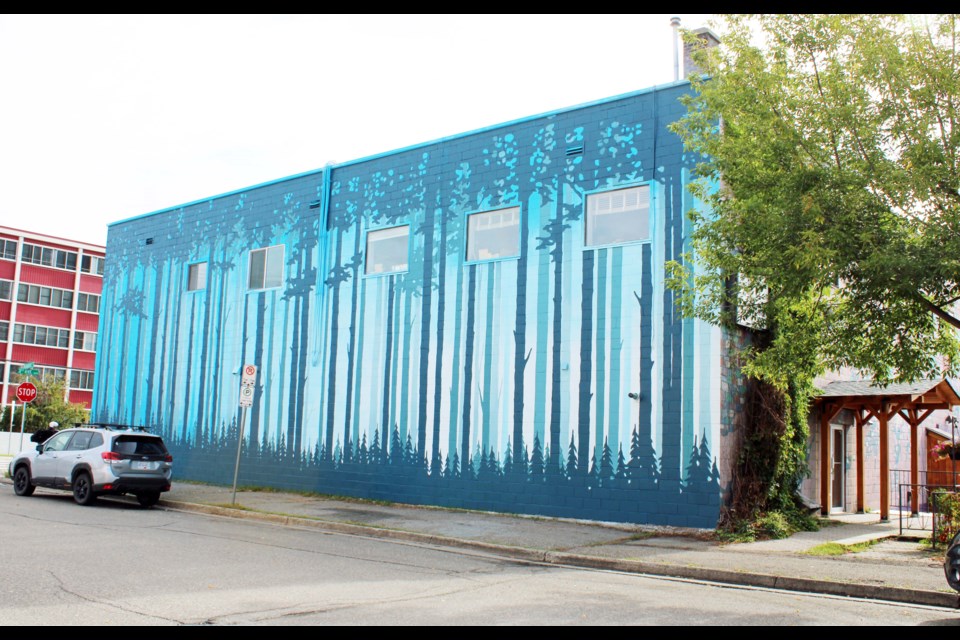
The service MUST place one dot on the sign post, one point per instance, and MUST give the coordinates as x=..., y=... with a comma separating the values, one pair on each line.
x=26, y=392
x=13, y=413
x=248, y=380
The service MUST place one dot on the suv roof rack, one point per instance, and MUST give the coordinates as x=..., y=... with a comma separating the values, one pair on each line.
x=112, y=426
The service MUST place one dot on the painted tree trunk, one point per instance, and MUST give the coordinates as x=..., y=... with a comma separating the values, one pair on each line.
x=334, y=342
x=352, y=347
x=359, y=359
x=520, y=356
x=171, y=383
x=586, y=363
x=185, y=433
x=557, y=344
x=201, y=393
x=468, y=372
x=486, y=399
x=154, y=328
x=158, y=411
x=405, y=369
x=616, y=347
x=385, y=420
x=295, y=355
x=436, y=460
x=427, y=300
x=455, y=368
x=600, y=417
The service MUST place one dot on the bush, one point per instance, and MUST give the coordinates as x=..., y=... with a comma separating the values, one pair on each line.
x=49, y=406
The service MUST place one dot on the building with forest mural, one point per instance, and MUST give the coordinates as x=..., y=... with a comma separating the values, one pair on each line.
x=478, y=322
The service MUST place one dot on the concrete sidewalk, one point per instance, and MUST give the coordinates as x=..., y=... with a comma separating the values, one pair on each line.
x=893, y=569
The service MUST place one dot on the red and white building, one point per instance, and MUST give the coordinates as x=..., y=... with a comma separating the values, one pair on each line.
x=49, y=310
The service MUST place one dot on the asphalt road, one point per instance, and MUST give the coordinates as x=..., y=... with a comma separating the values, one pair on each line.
x=116, y=564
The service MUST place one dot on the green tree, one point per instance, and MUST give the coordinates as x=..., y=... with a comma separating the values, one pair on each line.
x=832, y=225
x=49, y=406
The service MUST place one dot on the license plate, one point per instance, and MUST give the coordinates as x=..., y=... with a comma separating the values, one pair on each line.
x=142, y=466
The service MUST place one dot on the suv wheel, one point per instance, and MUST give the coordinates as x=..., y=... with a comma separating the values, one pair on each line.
x=148, y=498
x=21, y=482
x=83, y=489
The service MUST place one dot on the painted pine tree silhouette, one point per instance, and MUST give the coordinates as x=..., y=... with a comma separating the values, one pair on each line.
x=571, y=469
x=621, y=474
x=536, y=461
x=606, y=464
x=642, y=470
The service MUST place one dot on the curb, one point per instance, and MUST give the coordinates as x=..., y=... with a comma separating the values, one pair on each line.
x=559, y=558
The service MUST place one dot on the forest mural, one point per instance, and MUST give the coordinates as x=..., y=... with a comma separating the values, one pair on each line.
x=560, y=381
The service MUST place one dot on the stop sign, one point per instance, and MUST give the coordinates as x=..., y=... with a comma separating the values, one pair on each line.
x=26, y=392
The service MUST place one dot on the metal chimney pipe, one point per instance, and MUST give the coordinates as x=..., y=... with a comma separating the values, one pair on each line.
x=675, y=23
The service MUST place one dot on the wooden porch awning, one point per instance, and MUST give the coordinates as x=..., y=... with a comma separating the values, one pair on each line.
x=914, y=402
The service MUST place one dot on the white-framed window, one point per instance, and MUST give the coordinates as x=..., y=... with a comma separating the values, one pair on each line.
x=493, y=235
x=8, y=249
x=49, y=257
x=6, y=290
x=618, y=216
x=388, y=250
x=85, y=340
x=89, y=302
x=266, y=268
x=81, y=379
x=4, y=331
x=197, y=277
x=41, y=336
x=45, y=296
x=91, y=264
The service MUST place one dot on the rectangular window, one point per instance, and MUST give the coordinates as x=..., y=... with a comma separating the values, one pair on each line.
x=197, y=277
x=91, y=264
x=388, y=250
x=81, y=379
x=493, y=234
x=618, y=217
x=49, y=257
x=87, y=302
x=42, y=336
x=85, y=340
x=4, y=331
x=33, y=294
x=6, y=290
x=8, y=249
x=266, y=268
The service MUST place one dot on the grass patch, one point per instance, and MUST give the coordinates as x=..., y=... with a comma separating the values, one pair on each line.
x=837, y=549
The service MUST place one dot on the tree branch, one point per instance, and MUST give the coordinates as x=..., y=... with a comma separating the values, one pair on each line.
x=938, y=311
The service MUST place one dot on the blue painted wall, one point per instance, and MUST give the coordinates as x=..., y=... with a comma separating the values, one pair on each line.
x=498, y=385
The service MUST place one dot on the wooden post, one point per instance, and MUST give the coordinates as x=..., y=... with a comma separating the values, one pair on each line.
x=825, y=461
x=914, y=466
x=884, y=466
x=861, y=459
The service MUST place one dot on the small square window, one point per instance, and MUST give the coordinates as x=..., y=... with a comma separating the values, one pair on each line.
x=266, y=268
x=493, y=234
x=618, y=217
x=388, y=250
x=197, y=277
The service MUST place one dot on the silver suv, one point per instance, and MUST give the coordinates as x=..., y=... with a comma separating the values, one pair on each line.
x=96, y=459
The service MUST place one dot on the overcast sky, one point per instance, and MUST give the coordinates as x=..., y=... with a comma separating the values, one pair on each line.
x=109, y=117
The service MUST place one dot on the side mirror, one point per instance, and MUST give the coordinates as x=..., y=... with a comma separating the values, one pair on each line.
x=40, y=448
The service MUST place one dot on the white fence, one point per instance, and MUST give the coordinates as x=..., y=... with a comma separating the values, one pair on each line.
x=10, y=443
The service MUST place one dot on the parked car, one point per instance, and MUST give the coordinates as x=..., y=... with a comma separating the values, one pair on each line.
x=951, y=563
x=93, y=460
